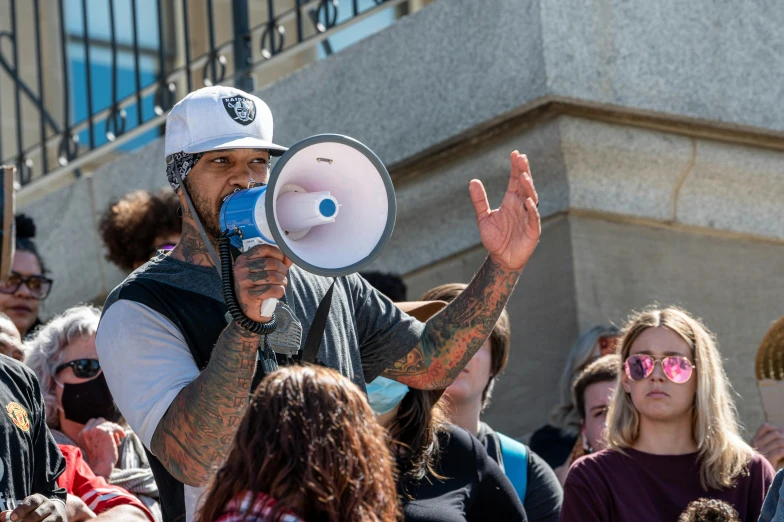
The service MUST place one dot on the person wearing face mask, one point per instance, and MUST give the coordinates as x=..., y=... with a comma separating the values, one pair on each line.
x=445, y=474
x=672, y=432
x=80, y=409
x=28, y=285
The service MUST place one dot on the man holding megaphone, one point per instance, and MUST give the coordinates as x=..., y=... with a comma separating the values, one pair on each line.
x=181, y=375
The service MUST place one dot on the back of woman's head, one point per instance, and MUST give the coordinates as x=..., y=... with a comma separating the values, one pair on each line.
x=310, y=441
x=723, y=453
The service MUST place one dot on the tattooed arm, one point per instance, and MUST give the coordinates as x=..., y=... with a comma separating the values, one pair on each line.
x=452, y=337
x=197, y=430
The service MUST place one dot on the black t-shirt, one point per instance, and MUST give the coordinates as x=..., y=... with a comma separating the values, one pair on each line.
x=30, y=460
x=474, y=488
x=543, y=494
x=553, y=444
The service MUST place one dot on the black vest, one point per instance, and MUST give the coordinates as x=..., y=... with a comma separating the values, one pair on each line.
x=201, y=320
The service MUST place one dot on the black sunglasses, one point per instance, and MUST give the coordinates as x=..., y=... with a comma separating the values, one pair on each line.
x=39, y=285
x=82, y=368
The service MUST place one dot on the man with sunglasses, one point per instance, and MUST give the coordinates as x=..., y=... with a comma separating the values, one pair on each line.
x=30, y=461
x=181, y=375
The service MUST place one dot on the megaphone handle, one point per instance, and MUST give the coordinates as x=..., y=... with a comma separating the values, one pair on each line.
x=268, y=306
x=227, y=274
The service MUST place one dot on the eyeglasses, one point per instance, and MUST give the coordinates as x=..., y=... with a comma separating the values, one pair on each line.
x=677, y=368
x=38, y=285
x=82, y=368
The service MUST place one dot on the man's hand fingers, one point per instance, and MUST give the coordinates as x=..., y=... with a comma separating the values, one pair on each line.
x=514, y=176
x=26, y=510
x=262, y=251
x=526, y=187
x=264, y=265
x=766, y=437
x=534, y=219
x=762, y=430
x=775, y=457
x=265, y=277
x=771, y=446
x=479, y=199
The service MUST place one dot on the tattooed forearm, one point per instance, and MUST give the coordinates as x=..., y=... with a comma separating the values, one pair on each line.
x=452, y=337
x=198, y=427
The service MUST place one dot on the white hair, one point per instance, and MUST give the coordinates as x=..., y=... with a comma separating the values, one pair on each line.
x=44, y=352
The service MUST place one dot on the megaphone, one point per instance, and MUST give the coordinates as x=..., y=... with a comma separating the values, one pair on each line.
x=329, y=205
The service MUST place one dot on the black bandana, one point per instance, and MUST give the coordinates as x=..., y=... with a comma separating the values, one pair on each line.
x=181, y=162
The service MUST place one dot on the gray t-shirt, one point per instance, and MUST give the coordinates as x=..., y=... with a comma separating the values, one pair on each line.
x=147, y=361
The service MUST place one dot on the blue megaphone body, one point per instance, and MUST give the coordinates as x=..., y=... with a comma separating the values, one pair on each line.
x=329, y=206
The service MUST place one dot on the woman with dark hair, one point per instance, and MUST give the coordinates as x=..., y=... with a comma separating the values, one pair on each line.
x=445, y=474
x=22, y=293
x=307, y=449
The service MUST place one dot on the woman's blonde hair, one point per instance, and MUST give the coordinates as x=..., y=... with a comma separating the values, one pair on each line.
x=723, y=454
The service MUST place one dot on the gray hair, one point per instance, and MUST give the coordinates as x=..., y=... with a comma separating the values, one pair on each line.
x=44, y=352
x=565, y=415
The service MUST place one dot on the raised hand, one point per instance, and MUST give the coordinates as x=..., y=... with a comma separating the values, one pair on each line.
x=511, y=232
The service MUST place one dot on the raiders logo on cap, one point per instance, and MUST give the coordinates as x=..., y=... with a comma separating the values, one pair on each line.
x=241, y=109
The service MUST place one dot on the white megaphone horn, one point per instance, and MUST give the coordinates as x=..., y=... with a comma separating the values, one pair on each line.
x=329, y=206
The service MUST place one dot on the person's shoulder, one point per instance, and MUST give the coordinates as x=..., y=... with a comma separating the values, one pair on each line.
x=510, y=444
x=548, y=434
x=165, y=270
x=602, y=463
x=16, y=370
x=760, y=467
x=457, y=440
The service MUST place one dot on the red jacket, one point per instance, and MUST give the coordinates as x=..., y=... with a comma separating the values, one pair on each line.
x=78, y=479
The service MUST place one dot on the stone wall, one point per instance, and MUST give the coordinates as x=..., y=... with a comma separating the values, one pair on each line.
x=655, y=135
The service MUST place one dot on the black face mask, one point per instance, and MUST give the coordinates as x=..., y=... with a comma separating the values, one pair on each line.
x=89, y=400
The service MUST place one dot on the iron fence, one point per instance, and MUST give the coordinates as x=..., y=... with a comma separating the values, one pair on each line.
x=82, y=78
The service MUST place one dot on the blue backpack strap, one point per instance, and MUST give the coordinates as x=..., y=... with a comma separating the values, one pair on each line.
x=515, y=456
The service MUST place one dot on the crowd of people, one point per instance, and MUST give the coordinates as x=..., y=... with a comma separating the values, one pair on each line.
x=158, y=407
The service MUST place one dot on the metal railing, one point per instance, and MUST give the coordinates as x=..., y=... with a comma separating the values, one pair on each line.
x=106, y=72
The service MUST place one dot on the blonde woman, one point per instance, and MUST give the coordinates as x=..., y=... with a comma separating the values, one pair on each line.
x=672, y=432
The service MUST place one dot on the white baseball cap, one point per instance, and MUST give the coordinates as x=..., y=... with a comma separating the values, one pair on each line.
x=216, y=118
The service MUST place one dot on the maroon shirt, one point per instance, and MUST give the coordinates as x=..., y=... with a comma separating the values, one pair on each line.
x=639, y=487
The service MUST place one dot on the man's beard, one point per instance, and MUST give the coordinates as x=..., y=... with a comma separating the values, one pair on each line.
x=206, y=213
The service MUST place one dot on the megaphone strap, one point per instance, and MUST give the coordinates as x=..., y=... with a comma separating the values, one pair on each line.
x=316, y=332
